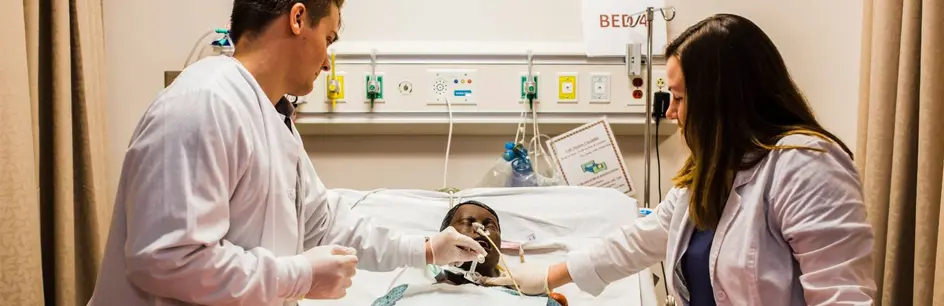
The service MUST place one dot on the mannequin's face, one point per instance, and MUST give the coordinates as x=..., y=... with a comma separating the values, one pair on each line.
x=462, y=221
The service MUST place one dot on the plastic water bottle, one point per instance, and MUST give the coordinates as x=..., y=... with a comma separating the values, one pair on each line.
x=522, y=174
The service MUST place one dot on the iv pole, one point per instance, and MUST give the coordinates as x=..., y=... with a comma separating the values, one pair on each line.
x=649, y=14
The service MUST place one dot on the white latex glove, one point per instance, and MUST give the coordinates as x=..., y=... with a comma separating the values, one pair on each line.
x=449, y=246
x=532, y=279
x=332, y=268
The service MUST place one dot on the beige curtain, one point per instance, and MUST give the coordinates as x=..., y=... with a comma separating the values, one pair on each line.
x=901, y=146
x=53, y=195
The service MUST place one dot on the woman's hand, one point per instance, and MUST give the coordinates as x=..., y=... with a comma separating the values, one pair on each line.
x=533, y=279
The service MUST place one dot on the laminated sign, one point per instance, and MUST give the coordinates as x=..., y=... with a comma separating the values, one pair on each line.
x=607, y=26
x=589, y=156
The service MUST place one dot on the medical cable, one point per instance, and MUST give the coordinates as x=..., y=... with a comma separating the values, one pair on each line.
x=658, y=161
x=659, y=177
x=540, y=151
x=480, y=229
x=448, y=144
x=197, y=46
x=521, y=134
x=537, y=133
x=520, y=129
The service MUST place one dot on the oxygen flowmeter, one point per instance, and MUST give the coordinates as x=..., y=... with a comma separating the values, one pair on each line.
x=223, y=45
x=530, y=86
x=374, y=81
x=335, y=87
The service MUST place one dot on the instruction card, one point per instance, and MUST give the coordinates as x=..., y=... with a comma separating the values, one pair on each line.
x=589, y=156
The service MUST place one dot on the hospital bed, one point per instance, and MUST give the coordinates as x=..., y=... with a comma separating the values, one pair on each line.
x=548, y=220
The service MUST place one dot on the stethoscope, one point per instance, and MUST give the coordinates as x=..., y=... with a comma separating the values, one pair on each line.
x=294, y=102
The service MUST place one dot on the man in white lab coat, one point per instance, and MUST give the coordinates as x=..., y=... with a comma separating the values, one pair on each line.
x=218, y=202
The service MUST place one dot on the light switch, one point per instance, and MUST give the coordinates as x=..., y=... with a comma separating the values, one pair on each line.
x=599, y=88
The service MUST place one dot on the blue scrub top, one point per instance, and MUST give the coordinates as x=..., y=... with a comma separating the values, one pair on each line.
x=695, y=269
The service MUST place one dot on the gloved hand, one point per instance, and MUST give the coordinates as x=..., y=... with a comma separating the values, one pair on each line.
x=332, y=268
x=449, y=246
x=531, y=279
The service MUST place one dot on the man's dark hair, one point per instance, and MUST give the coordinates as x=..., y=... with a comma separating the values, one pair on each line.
x=250, y=16
x=452, y=213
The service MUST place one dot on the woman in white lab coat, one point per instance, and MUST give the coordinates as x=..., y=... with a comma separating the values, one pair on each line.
x=767, y=209
x=218, y=203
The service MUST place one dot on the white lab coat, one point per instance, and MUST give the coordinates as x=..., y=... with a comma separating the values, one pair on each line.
x=793, y=232
x=206, y=210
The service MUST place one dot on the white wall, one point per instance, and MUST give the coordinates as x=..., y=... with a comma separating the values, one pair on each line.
x=820, y=41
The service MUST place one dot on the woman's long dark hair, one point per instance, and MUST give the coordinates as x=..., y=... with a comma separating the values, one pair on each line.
x=739, y=102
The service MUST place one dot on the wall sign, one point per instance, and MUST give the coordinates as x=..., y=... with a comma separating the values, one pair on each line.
x=607, y=26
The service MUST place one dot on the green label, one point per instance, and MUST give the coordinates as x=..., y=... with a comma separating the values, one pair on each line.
x=525, y=79
x=593, y=167
x=380, y=94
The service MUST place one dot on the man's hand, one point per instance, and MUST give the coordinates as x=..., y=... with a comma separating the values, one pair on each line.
x=332, y=268
x=449, y=246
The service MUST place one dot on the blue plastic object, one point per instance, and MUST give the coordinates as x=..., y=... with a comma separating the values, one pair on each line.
x=522, y=172
x=644, y=212
x=514, y=151
x=508, y=155
x=223, y=41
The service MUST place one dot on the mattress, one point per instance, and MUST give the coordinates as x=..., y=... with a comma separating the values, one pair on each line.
x=547, y=221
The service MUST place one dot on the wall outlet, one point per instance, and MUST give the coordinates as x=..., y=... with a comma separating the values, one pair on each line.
x=600, y=87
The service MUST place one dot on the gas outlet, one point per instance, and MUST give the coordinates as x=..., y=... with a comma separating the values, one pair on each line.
x=374, y=88
x=406, y=87
x=600, y=87
x=531, y=88
x=567, y=87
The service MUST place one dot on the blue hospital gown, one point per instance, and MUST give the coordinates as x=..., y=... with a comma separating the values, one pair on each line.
x=395, y=294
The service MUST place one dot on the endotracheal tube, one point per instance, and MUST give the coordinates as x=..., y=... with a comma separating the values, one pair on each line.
x=480, y=229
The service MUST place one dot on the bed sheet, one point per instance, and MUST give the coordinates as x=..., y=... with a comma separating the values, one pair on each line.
x=563, y=217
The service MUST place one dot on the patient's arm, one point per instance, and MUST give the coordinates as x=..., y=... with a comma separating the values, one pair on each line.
x=327, y=221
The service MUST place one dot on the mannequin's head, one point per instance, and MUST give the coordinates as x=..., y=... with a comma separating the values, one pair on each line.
x=462, y=216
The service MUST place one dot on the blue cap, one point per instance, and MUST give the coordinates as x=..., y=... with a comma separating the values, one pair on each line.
x=508, y=156
x=644, y=212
